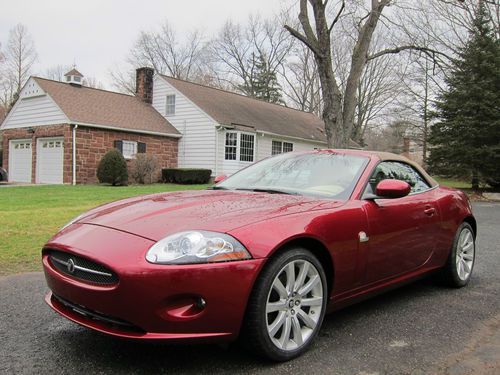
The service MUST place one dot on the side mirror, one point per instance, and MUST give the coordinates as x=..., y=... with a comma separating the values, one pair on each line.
x=392, y=189
x=220, y=178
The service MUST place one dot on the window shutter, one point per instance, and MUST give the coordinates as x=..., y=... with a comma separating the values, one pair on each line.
x=141, y=148
x=119, y=146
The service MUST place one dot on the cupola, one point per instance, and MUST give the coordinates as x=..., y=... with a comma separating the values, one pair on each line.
x=74, y=77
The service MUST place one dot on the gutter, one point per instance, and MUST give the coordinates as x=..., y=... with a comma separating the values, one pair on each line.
x=263, y=132
x=127, y=130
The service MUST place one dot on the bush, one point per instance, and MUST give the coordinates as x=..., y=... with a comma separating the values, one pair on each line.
x=144, y=169
x=112, y=169
x=186, y=175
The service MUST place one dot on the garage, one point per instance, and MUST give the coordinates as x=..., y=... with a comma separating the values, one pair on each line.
x=49, y=161
x=20, y=154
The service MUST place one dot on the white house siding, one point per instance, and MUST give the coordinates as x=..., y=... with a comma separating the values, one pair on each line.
x=197, y=145
x=34, y=108
x=262, y=150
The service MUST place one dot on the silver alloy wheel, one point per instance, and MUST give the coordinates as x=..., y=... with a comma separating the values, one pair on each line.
x=294, y=305
x=465, y=254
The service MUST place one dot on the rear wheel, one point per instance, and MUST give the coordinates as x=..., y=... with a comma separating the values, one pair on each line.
x=287, y=305
x=460, y=263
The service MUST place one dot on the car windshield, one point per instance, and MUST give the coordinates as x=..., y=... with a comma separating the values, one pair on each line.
x=322, y=174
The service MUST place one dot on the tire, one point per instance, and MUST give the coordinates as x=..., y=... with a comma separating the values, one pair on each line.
x=460, y=264
x=282, y=321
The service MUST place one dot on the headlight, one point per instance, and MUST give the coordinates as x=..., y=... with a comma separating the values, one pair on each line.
x=196, y=247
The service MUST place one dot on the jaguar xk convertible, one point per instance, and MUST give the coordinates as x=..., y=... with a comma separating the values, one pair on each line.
x=262, y=255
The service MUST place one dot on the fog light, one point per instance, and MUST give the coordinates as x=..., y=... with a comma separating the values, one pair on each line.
x=182, y=307
x=201, y=303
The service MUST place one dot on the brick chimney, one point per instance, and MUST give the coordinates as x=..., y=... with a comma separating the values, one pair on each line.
x=144, y=84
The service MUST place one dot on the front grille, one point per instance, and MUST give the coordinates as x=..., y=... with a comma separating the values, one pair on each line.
x=97, y=316
x=82, y=268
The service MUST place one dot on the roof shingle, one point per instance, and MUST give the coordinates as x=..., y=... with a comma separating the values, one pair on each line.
x=106, y=108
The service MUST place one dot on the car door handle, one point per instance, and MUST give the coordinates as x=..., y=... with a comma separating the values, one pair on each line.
x=429, y=211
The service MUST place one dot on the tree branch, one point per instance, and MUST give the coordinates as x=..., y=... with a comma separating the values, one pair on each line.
x=335, y=20
x=303, y=39
x=429, y=51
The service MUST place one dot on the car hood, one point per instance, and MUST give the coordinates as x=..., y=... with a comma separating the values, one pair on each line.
x=156, y=216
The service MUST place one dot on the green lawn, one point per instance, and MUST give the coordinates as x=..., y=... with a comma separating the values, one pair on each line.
x=453, y=183
x=30, y=215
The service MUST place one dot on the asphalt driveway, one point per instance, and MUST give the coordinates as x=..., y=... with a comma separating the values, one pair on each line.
x=419, y=329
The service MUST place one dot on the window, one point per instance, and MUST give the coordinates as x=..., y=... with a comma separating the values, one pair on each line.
x=322, y=175
x=246, y=147
x=170, y=110
x=287, y=147
x=239, y=146
x=399, y=171
x=129, y=149
x=231, y=146
x=279, y=147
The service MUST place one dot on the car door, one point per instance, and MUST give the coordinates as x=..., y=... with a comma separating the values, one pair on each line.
x=402, y=230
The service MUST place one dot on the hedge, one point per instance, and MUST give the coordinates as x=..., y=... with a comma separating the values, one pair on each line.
x=186, y=175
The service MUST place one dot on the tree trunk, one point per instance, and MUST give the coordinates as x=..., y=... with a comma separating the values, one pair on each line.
x=475, y=180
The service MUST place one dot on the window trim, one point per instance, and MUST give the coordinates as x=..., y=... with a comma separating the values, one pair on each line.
x=238, y=146
x=167, y=113
x=363, y=191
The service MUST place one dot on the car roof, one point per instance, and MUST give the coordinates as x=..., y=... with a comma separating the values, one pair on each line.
x=383, y=156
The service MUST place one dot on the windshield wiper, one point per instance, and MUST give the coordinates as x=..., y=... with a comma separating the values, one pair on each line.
x=267, y=190
x=217, y=188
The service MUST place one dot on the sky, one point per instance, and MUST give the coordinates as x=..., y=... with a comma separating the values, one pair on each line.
x=96, y=35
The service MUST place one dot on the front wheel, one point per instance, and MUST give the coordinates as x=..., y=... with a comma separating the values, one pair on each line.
x=460, y=263
x=287, y=305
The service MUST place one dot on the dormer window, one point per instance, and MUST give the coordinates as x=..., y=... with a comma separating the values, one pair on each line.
x=74, y=77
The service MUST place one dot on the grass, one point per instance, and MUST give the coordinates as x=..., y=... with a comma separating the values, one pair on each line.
x=453, y=183
x=30, y=215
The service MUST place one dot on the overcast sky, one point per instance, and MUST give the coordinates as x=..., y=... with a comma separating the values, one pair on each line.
x=97, y=34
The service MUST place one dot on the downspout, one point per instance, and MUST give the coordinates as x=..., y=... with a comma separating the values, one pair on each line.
x=216, y=173
x=74, y=154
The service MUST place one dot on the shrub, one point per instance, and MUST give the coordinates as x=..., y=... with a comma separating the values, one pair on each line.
x=144, y=169
x=186, y=175
x=112, y=169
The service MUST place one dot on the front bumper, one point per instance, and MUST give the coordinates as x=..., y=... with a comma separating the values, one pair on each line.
x=149, y=301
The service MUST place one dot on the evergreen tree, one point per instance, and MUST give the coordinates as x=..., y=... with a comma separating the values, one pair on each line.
x=466, y=140
x=262, y=83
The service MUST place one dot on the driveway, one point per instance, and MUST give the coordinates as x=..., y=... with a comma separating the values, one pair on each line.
x=418, y=329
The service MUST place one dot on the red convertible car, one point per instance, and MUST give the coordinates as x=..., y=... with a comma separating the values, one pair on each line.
x=264, y=254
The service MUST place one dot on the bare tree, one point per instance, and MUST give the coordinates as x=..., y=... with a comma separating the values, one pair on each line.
x=57, y=72
x=300, y=81
x=20, y=55
x=165, y=51
x=340, y=102
x=236, y=50
x=124, y=80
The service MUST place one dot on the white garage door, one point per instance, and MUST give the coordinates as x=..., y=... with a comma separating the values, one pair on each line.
x=20, y=156
x=49, y=160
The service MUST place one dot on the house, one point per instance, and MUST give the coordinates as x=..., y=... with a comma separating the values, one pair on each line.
x=413, y=150
x=225, y=131
x=57, y=132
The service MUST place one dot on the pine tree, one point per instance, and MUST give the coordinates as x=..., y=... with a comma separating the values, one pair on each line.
x=466, y=140
x=262, y=83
